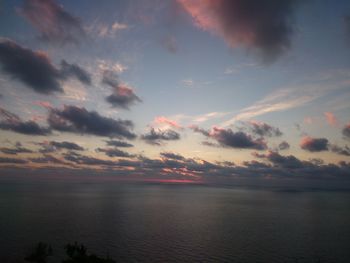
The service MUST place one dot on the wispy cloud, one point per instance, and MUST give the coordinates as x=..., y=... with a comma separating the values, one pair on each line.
x=292, y=97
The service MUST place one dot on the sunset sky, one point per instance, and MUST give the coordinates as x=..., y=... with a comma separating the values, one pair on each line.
x=177, y=90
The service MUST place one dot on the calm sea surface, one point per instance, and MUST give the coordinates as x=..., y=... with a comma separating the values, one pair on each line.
x=176, y=223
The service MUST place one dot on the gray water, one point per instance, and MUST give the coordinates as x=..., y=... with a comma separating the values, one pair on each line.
x=175, y=223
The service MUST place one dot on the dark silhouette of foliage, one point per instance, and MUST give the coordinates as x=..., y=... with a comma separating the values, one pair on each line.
x=76, y=254
x=40, y=254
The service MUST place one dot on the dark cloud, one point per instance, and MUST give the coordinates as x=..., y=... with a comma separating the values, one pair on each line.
x=229, y=138
x=6, y=160
x=114, y=152
x=156, y=137
x=283, y=146
x=11, y=122
x=346, y=131
x=262, y=26
x=87, y=160
x=289, y=161
x=54, y=23
x=117, y=143
x=123, y=96
x=173, y=156
x=66, y=145
x=47, y=159
x=74, y=70
x=200, y=130
x=264, y=130
x=31, y=67
x=340, y=150
x=16, y=150
x=35, y=69
x=79, y=120
x=314, y=144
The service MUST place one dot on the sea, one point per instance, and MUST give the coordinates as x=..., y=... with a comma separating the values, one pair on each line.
x=150, y=222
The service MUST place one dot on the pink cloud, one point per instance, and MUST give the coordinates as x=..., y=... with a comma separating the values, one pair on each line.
x=164, y=120
x=44, y=104
x=331, y=119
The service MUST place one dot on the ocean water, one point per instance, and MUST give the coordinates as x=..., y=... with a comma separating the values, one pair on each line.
x=175, y=223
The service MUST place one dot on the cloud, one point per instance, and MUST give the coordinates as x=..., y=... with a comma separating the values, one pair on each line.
x=107, y=31
x=35, y=70
x=331, y=119
x=262, y=26
x=155, y=137
x=295, y=96
x=74, y=70
x=114, y=152
x=6, y=160
x=79, y=120
x=47, y=159
x=173, y=156
x=123, y=96
x=346, y=131
x=340, y=150
x=83, y=159
x=164, y=120
x=263, y=129
x=11, y=122
x=314, y=144
x=66, y=145
x=54, y=23
x=176, y=166
x=117, y=143
x=16, y=150
x=283, y=146
x=231, y=139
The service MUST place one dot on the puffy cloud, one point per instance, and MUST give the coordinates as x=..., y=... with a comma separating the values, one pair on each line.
x=80, y=120
x=114, y=152
x=156, y=137
x=35, y=69
x=263, y=26
x=31, y=67
x=11, y=122
x=314, y=144
x=346, y=131
x=283, y=146
x=231, y=139
x=123, y=96
x=263, y=129
x=117, y=143
x=54, y=23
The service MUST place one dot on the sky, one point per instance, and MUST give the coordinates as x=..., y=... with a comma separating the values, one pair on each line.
x=194, y=91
